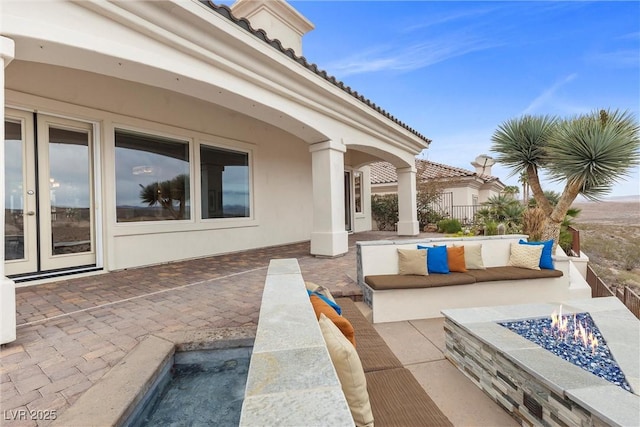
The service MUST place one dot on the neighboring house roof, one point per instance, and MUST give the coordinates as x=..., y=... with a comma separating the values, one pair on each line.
x=275, y=43
x=385, y=173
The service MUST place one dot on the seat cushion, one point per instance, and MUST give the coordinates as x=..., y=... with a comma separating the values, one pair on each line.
x=397, y=399
x=374, y=353
x=511, y=273
x=395, y=281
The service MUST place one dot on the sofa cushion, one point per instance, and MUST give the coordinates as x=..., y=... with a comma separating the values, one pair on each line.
x=349, y=369
x=395, y=281
x=436, y=259
x=455, y=259
x=320, y=307
x=511, y=273
x=473, y=256
x=546, y=258
x=525, y=256
x=313, y=287
x=398, y=399
x=374, y=353
x=330, y=302
x=412, y=261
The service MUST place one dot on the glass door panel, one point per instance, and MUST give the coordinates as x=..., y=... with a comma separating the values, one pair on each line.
x=66, y=193
x=20, y=201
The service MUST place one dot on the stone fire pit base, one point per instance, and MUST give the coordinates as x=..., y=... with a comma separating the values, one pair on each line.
x=534, y=385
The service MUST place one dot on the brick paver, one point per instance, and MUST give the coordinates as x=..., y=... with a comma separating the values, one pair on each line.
x=71, y=332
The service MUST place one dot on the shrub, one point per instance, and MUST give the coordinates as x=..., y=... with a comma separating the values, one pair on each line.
x=449, y=226
x=490, y=228
x=384, y=210
x=533, y=223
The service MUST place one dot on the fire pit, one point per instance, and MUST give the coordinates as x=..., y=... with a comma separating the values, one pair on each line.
x=582, y=370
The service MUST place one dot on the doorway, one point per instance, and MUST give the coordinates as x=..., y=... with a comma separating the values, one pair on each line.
x=348, y=208
x=50, y=221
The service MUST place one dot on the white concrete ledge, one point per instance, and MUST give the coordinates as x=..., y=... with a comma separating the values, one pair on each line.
x=291, y=378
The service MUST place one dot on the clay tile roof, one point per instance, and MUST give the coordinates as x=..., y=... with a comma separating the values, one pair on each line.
x=276, y=44
x=385, y=173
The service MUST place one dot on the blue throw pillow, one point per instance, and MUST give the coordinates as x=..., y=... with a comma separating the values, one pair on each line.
x=333, y=305
x=546, y=260
x=436, y=259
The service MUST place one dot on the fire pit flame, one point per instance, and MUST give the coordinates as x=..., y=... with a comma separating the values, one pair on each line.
x=581, y=333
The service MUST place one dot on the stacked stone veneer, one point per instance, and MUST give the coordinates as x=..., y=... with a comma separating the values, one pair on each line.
x=534, y=385
x=507, y=384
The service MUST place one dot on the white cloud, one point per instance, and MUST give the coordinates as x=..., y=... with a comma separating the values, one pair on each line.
x=547, y=95
x=411, y=57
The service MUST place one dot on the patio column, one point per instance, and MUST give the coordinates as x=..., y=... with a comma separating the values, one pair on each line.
x=7, y=287
x=328, y=236
x=407, y=213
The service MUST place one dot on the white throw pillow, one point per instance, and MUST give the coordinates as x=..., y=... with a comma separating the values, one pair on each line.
x=473, y=257
x=350, y=373
x=525, y=256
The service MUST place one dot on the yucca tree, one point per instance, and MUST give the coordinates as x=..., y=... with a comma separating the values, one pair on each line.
x=589, y=153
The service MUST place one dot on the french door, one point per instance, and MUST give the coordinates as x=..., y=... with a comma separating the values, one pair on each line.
x=49, y=194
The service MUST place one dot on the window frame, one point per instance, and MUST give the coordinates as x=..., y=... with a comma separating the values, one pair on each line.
x=218, y=143
x=195, y=139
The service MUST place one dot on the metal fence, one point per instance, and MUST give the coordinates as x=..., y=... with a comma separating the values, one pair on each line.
x=600, y=289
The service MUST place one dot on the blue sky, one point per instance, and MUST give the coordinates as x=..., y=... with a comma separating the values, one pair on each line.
x=455, y=70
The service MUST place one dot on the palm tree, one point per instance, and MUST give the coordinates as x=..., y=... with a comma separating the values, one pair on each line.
x=511, y=191
x=166, y=193
x=522, y=179
x=589, y=153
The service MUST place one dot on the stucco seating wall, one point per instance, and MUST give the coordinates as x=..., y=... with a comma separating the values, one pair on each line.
x=394, y=297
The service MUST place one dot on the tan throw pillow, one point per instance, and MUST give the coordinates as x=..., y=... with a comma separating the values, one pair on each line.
x=319, y=289
x=412, y=261
x=473, y=257
x=525, y=256
x=350, y=373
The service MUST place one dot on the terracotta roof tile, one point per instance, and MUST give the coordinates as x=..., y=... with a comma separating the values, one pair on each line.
x=276, y=44
x=385, y=173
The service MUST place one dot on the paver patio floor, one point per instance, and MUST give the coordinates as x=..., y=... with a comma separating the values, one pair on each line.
x=71, y=332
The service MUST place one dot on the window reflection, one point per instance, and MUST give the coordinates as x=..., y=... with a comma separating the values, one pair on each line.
x=152, y=178
x=225, y=183
x=357, y=191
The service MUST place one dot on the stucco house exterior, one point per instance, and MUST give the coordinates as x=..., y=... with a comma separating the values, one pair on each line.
x=144, y=132
x=463, y=191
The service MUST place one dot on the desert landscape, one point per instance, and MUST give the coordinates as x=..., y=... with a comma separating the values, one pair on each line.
x=610, y=237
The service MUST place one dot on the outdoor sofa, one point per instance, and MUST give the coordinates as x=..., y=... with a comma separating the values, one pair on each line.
x=395, y=295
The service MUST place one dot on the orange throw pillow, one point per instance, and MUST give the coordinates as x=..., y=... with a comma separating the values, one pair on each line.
x=321, y=307
x=455, y=258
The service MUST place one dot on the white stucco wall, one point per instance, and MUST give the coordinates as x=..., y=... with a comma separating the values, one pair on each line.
x=282, y=187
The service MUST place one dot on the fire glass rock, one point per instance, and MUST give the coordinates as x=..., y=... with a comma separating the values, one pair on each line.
x=597, y=360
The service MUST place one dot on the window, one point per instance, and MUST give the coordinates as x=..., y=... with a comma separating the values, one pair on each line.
x=225, y=183
x=152, y=178
x=357, y=189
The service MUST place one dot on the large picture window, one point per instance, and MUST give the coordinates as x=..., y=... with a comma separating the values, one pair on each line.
x=224, y=183
x=152, y=178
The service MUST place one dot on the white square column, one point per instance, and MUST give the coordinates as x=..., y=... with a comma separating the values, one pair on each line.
x=7, y=287
x=407, y=207
x=328, y=236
